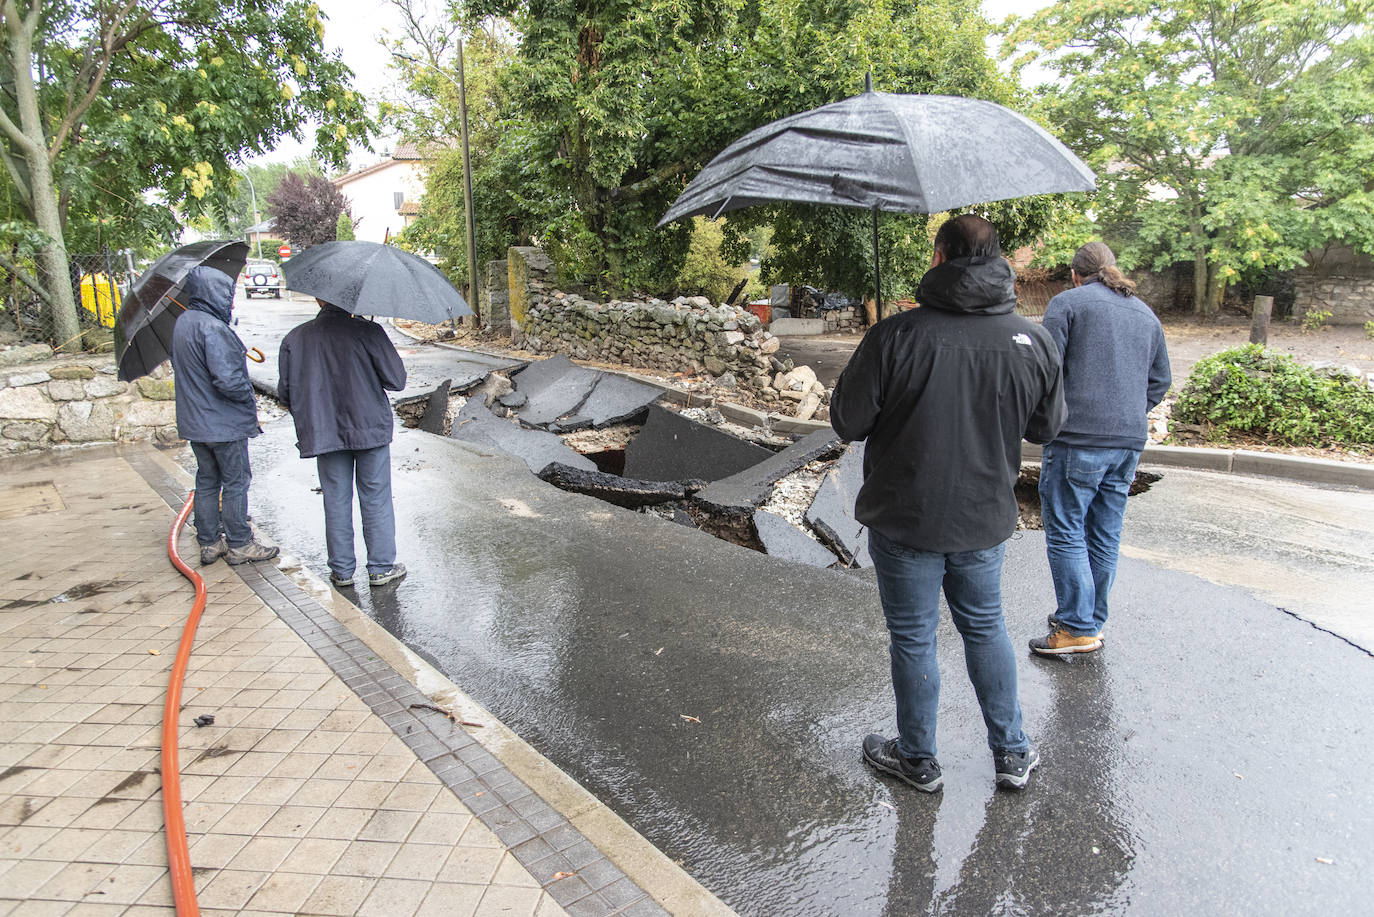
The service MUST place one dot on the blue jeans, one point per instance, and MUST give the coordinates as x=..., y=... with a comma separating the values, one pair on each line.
x=909, y=583
x=222, y=476
x=1083, y=501
x=371, y=468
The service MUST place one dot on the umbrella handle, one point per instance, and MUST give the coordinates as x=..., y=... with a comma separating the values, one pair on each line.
x=255, y=355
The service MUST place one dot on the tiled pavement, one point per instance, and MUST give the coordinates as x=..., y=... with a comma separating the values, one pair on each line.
x=317, y=790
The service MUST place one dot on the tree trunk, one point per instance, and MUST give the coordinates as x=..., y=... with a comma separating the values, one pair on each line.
x=1216, y=289
x=60, y=312
x=1200, y=281
x=60, y=307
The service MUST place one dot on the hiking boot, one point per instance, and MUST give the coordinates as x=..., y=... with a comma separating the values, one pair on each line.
x=398, y=571
x=1014, y=770
x=209, y=553
x=1053, y=621
x=340, y=582
x=251, y=553
x=1060, y=642
x=922, y=773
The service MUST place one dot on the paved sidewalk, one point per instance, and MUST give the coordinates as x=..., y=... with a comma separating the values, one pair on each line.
x=299, y=799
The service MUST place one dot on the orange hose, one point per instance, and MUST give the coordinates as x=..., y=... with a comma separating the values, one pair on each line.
x=178, y=853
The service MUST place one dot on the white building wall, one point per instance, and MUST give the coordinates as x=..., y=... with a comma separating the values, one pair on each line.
x=373, y=198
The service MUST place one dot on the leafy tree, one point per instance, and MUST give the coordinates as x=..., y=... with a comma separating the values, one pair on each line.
x=343, y=229
x=706, y=270
x=106, y=100
x=1235, y=136
x=510, y=190
x=307, y=210
x=232, y=213
x=613, y=108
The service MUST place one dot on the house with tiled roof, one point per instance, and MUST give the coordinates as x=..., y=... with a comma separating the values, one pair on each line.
x=384, y=197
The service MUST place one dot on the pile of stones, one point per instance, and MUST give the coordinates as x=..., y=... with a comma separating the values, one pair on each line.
x=688, y=335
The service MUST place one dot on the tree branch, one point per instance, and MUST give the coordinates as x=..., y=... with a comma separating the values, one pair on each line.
x=25, y=278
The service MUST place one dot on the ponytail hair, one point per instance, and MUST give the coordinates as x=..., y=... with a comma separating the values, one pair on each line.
x=1095, y=262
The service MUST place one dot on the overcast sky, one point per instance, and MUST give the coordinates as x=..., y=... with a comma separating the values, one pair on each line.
x=354, y=26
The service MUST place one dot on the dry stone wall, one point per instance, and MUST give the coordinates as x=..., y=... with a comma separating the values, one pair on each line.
x=78, y=400
x=688, y=334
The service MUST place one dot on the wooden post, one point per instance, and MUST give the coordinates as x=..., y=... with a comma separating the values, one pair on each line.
x=1259, y=320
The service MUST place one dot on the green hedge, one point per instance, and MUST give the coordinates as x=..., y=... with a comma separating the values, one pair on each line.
x=1253, y=392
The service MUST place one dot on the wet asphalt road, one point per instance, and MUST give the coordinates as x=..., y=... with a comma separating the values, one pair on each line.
x=1210, y=760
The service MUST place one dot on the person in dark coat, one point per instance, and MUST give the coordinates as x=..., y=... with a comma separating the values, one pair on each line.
x=944, y=394
x=216, y=413
x=334, y=373
x=1116, y=369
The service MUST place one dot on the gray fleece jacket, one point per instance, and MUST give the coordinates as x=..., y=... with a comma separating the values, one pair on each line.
x=1116, y=367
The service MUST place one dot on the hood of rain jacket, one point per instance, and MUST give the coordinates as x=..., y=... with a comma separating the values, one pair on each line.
x=214, y=397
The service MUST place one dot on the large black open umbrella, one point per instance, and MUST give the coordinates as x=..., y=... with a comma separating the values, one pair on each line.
x=367, y=278
x=882, y=151
x=143, y=330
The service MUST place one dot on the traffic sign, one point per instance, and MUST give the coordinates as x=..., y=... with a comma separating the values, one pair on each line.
x=284, y=251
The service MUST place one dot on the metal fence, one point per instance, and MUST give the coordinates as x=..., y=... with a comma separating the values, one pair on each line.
x=99, y=282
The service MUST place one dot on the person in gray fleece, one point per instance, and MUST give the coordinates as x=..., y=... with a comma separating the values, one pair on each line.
x=1116, y=368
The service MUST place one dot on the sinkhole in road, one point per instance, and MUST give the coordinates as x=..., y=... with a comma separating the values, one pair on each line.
x=787, y=495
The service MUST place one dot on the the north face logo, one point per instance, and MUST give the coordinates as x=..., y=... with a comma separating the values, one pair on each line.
x=1021, y=338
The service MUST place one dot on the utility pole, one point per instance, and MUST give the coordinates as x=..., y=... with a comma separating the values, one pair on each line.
x=257, y=218
x=471, y=240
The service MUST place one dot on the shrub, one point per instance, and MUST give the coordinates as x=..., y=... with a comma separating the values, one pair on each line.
x=1314, y=319
x=1252, y=392
x=1369, y=330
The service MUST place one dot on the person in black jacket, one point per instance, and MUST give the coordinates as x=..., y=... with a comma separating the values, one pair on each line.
x=944, y=394
x=334, y=372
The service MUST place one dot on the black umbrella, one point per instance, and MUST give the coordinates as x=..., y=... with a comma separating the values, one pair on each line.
x=368, y=278
x=880, y=151
x=143, y=330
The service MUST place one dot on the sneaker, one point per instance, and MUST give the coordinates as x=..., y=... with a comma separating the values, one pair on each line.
x=398, y=571
x=922, y=773
x=209, y=553
x=1060, y=642
x=340, y=582
x=1014, y=770
x=251, y=553
x=1053, y=621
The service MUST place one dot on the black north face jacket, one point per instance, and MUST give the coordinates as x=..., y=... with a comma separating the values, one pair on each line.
x=944, y=395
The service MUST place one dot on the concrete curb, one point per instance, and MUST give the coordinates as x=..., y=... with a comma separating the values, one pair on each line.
x=1299, y=468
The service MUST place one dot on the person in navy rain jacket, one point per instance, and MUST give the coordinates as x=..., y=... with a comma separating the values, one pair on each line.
x=334, y=373
x=217, y=414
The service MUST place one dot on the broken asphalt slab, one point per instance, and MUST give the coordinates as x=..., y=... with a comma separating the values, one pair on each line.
x=560, y=393
x=436, y=410
x=831, y=514
x=671, y=447
x=537, y=449
x=742, y=493
x=785, y=541
x=612, y=487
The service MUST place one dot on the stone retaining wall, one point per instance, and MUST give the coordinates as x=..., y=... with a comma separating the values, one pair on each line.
x=687, y=335
x=77, y=399
x=1341, y=282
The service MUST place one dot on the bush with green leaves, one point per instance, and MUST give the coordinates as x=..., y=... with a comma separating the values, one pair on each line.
x=1251, y=392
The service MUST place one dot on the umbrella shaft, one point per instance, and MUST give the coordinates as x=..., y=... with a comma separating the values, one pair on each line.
x=877, y=272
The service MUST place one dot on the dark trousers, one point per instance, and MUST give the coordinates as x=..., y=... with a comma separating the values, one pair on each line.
x=371, y=469
x=222, y=476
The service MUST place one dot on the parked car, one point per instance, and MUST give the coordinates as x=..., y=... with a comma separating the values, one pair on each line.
x=262, y=278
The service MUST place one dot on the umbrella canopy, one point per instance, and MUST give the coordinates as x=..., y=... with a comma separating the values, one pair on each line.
x=880, y=151
x=143, y=330
x=367, y=278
